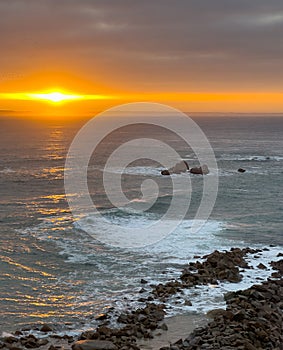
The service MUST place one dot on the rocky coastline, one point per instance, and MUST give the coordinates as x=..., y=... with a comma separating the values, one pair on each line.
x=252, y=319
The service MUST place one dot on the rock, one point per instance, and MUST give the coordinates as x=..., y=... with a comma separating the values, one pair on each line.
x=249, y=345
x=46, y=328
x=278, y=265
x=30, y=342
x=10, y=339
x=52, y=347
x=101, y=317
x=241, y=170
x=196, y=171
x=42, y=342
x=216, y=313
x=202, y=170
x=239, y=316
x=179, y=168
x=143, y=281
x=123, y=318
x=163, y=326
x=218, y=266
x=188, y=303
x=94, y=345
x=252, y=319
x=18, y=333
x=261, y=266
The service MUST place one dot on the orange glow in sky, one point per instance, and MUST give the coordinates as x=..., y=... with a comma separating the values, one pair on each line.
x=55, y=97
x=66, y=103
x=213, y=58
x=51, y=96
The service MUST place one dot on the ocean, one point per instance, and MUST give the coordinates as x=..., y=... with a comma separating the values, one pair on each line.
x=53, y=271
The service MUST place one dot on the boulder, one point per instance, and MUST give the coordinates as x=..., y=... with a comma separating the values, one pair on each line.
x=179, y=168
x=196, y=170
x=261, y=266
x=101, y=317
x=216, y=313
x=202, y=170
x=46, y=328
x=94, y=345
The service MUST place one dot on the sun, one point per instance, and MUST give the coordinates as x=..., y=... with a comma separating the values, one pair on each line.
x=55, y=96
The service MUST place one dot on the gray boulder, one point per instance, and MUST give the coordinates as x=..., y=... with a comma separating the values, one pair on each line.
x=179, y=168
x=202, y=170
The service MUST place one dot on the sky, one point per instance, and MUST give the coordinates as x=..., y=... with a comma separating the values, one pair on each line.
x=198, y=56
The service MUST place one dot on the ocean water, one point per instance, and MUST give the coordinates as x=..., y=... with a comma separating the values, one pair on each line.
x=52, y=271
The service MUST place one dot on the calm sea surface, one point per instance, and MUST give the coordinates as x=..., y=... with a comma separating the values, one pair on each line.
x=52, y=271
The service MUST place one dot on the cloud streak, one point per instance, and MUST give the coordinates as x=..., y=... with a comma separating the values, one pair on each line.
x=140, y=45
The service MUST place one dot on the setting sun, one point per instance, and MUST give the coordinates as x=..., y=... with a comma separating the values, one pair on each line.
x=55, y=97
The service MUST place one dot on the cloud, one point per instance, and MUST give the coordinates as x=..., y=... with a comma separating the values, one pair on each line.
x=141, y=44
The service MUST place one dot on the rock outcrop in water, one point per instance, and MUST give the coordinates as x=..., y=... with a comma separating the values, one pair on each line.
x=202, y=170
x=179, y=168
x=183, y=167
x=218, y=266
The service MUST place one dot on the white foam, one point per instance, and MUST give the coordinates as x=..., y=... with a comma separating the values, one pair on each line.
x=257, y=158
x=137, y=170
x=7, y=171
x=117, y=272
x=206, y=298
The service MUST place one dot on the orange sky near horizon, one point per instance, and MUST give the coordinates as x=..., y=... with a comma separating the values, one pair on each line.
x=87, y=105
x=93, y=98
x=214, y=58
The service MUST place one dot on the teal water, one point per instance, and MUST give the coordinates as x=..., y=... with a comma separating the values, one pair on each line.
x=53, y=271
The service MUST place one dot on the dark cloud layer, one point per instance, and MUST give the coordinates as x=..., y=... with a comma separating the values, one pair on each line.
x=180, y=45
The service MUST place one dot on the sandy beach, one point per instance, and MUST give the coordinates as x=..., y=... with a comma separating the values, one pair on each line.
x=178, y=327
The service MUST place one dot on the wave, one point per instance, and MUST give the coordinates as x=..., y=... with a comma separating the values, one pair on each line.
x=7, y=171
x=254, y=158
x=137, y=170
x=117, y=272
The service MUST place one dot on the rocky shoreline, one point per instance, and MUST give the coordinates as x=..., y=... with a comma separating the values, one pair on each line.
x=252, y=319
